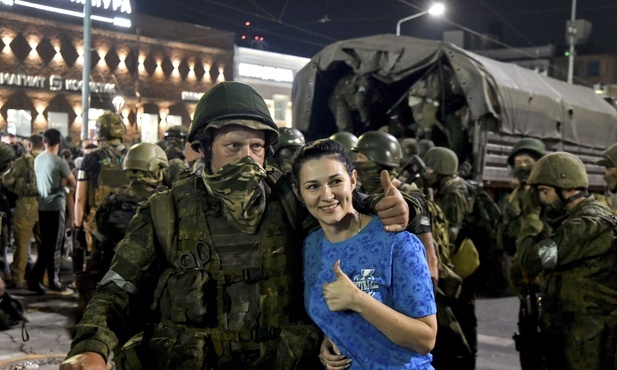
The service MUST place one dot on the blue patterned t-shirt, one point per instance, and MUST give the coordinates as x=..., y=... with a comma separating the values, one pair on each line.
x=392, y=268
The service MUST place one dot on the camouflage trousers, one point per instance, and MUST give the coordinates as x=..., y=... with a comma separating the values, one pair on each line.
x=580, y=341
x=25, y=224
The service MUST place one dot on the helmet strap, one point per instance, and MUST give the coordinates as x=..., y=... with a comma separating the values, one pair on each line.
x=581, y=194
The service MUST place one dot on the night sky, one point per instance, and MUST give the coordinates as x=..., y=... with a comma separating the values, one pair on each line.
x=303, y=28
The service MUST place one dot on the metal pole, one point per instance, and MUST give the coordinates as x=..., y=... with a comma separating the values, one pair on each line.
x=85, y=76
x=398, y=24
x=571, y=40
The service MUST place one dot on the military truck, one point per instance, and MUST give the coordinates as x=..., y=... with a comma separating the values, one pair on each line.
x=477, y=106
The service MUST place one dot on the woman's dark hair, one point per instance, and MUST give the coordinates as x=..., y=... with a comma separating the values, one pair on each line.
x=318, y=149
x=52, y=137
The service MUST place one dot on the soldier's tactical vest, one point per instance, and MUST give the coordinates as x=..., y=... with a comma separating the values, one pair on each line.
x=225, y=292
x=26, y=187
x=110, y=177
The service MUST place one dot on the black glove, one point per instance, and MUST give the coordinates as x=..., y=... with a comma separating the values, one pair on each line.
x=79, y=238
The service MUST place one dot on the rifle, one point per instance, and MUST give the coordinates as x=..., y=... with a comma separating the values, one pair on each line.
x=527, y=339
x=412, y=169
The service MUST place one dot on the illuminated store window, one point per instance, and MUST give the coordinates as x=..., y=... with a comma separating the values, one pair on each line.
x=280, y=106
x=59, y=121
x=173, y=120
x=19, y=122
x=149, y=128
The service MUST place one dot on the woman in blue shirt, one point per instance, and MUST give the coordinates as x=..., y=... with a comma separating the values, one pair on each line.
x=368, y=290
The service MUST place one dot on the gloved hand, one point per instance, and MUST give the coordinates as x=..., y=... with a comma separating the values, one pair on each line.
x=79, y=237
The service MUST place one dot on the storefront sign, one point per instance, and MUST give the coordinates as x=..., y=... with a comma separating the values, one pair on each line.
x=108, y=11
x=265, y=72
x=56, y=83
x=15, y=79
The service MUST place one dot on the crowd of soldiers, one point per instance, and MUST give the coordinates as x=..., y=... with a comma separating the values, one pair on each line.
x=202, y=272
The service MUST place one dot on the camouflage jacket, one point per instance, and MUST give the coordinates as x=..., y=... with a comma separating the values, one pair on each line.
x=21, y=179
x=145, y=270
x=581, y=275
x=510, y=222
x=171, y=174
x=454, y=199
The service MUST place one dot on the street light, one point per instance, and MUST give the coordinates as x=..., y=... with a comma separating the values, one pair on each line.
x=435, y=10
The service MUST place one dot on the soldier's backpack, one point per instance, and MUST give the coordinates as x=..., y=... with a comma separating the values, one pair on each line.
x=111, y=175
x=12, y=314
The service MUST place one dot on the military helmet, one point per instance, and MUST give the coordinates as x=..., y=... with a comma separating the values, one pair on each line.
x=534, y=147
x=424, y=146
x=442, y=160
x=289, y=137
x=145, y=157
x=409, y=146
x=110, y=126
x=177, y=132
x=609, y=157
x=228, y=103
x=348, y=139
x=380, y=147
x=559, y=170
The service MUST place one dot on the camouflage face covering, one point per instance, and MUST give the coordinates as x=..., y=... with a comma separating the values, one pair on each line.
x=369, y=175
x=239, y=185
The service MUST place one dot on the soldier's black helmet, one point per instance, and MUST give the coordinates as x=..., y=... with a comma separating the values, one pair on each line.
x=380, y=147
x=110, y=126
x=529, y=145
x=228, y=103
x=559, y=170
x=177, y=132
x=442, y=160
x=289, y=137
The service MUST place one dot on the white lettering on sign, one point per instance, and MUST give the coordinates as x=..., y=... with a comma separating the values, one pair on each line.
x=191, y=96
x=122, y=6
x=265, y=72
x=15, y=79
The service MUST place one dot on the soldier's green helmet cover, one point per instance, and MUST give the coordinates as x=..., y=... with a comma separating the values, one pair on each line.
x=110, y=126
x=534, y=147
x=380, y=147
x=348, y=139
x=145, y=157
x=231, y=103
x=442, y=160
x=609, y=157
x=559, y=170
x=289, y=137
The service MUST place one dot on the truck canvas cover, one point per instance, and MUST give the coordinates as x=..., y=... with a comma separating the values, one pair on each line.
x=506, y=102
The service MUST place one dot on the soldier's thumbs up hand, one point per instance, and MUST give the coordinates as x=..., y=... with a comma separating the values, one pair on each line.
x=392, y=209
x=340, y=294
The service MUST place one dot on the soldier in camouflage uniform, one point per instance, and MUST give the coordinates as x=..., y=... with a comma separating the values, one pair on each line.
x=144, y=164
x=452, y=195
x=609, y=162
x=175, y=143
x=219, y=263
x=521, y=159
x=21, y=180
x=91, y=189
x=290, y=140
x=574, y=253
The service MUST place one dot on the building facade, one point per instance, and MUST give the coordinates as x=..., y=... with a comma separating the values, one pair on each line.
x=153, y=72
